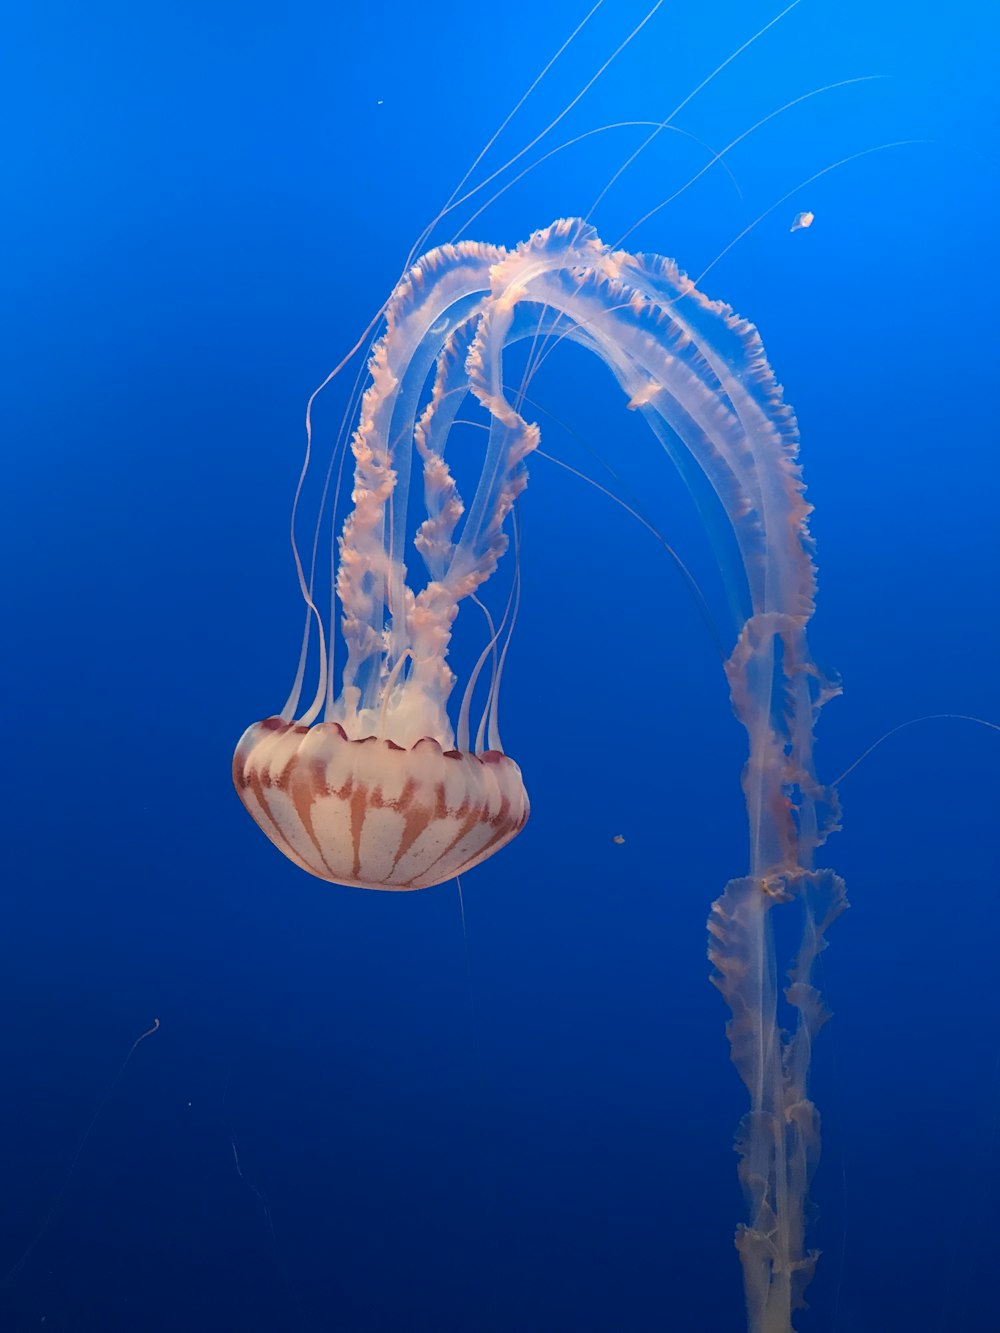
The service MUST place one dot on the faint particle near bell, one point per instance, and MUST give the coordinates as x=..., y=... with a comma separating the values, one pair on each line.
x=801, y=221
x=619, y=838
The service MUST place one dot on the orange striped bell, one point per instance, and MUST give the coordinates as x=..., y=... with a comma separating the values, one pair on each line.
x=371, y=813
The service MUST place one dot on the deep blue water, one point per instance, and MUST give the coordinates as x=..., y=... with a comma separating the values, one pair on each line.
x=351, y=1118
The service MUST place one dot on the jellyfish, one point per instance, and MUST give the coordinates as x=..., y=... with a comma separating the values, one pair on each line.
x=802, y=221
x=385, y=791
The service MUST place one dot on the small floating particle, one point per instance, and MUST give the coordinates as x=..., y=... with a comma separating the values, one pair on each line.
x=619, y=838
x=801, y=221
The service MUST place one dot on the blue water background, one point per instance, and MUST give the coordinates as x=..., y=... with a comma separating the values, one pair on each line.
x=352, y=1117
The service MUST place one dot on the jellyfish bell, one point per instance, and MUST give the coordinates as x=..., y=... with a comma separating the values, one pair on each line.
x=374, y=814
